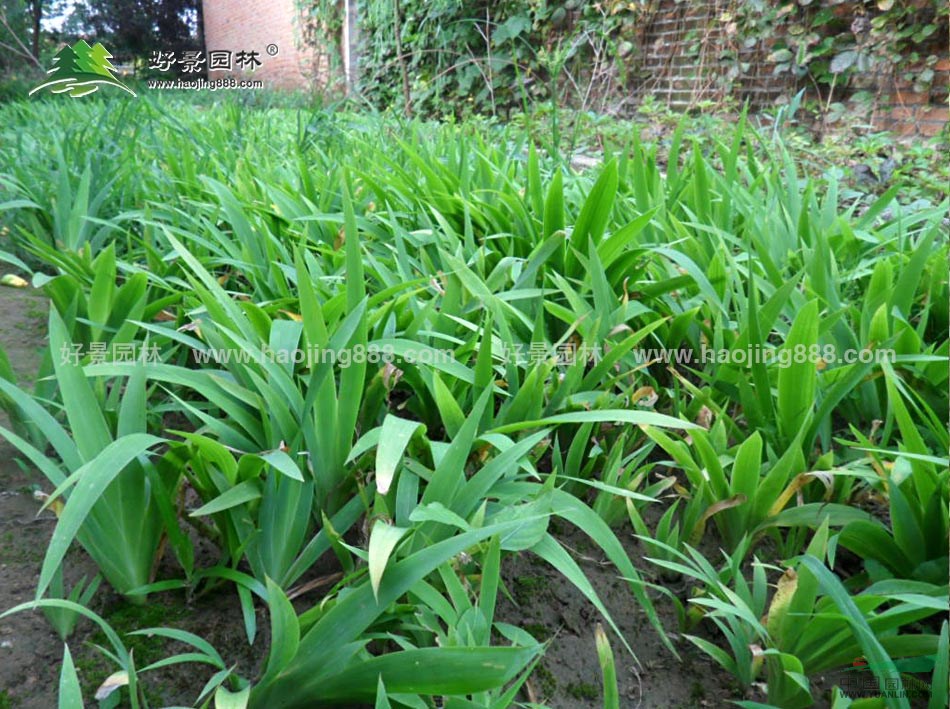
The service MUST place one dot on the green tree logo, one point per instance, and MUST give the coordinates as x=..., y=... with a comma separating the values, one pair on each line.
x=80, y=70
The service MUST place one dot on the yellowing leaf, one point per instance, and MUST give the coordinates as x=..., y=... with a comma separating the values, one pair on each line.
x=787, y=585
x=112, y=683
x=225, y=699
x=382, y=540
x=14, y=281
x=393, y=439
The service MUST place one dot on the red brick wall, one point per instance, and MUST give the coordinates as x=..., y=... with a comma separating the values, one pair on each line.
x=684, y=55
x=908, y=112
x=256, y=25
x=685, y=59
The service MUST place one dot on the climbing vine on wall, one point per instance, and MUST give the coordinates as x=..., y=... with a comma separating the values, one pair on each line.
x=463, y=56
x=860, y=45
x=491, y=56
x=457, y=56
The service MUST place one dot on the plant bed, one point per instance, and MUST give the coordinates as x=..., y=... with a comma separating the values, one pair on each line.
x=348, y=411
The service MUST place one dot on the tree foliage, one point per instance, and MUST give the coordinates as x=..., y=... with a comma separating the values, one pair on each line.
x=137, y=27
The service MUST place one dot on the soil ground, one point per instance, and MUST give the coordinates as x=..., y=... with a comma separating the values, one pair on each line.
x=30, y=651
x=541, y=601
x=569, y=676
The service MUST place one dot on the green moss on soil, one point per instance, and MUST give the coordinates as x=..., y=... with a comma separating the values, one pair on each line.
x=528, y=588
x=125, y=617
x=583, y=690
x=545, y=680
x=539, y=631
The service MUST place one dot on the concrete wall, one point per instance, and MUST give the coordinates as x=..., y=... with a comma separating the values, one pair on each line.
x=256, y=25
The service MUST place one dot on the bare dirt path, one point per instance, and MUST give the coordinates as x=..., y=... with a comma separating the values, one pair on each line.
x=29, y=650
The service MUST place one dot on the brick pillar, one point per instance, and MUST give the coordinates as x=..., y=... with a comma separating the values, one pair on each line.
x=260, y=26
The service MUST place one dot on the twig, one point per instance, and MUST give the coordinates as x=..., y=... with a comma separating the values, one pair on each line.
x=489, y=81
x=406, y=93
x=311, y=585
x=23, y=51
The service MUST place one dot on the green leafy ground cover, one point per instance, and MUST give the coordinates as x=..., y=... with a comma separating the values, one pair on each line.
x=794, y=506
